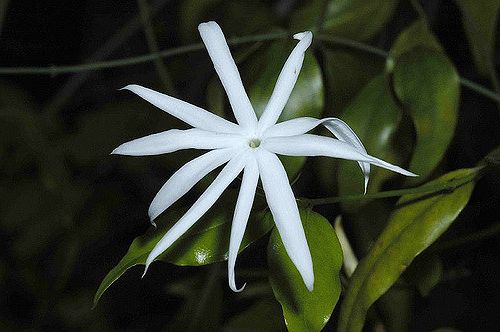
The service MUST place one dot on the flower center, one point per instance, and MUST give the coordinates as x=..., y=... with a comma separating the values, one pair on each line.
x=254, y=143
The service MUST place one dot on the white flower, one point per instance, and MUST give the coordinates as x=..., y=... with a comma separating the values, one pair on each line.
x=249, y=146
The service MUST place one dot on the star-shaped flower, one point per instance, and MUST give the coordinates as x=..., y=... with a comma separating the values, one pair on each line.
x=250, y=146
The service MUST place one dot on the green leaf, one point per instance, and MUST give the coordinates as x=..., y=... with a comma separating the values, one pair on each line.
x=417, y=222
x=427, y=85
x=357, y=19
x=425, y=273
x=207, y=242
x=346, y=73
x=374, y=117
x=262, y=316
x=304, y=310
x=480, y=19
x=417, y=34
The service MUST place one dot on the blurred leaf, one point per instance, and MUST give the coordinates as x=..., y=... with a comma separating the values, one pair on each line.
x=346, y=73
x=417, y=34
x=202, y=307
x=374, y=117
x=492, y=158
x=425, y=272
x=422, y=72
x=417, y=222
x=263, y=316
x=480, y=19
x=98, y=133
x=236, y=17
x=206, y=242
x=446, y=329
x=304, y=310
x=357, y=19
x=396, y=307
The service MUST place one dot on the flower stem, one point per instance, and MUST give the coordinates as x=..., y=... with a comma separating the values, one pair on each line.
x=435, y=188
x=384, y=54
x=480, y=89
x=152, y=42
x=58, y=70
x=354, y=45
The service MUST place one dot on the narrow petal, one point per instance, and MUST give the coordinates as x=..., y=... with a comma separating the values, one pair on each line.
x=286, y=215
x=175, y=139
x=191, y=114
x=344, y=133
x=336, y=126
x=241, y=214
x=314, y=145
x=185, y=178
x=286, y=82
x=219, y=52
x=199, y=208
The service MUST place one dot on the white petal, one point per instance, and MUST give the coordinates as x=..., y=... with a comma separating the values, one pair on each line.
x=336, y=126
x=191, y=114
x=199, y=208
x=286, y=215
x=241, y=214
x=286, y=82
x=219, y=52
x=297, y=126
x=175, y=139
x=185, y=178
x=344, y=133
x=314, y=145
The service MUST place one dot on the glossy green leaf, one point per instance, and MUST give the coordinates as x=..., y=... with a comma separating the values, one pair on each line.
x=423, y=72
x=417, y=221
x=207, y=242
x=304, y=310
x=357, y=19
x=374, y=117
x=480, y=20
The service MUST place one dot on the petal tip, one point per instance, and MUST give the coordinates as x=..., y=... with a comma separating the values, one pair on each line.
x=128, y=87
x=145, y=270
x=302, y=35
x=236, y=289
x=153, y=213
x=208, y=25
x=310, y=286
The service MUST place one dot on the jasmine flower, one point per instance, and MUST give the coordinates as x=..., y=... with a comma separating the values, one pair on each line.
x=250, y=146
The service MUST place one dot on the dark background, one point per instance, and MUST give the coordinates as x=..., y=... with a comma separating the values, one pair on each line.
x=69, y=210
